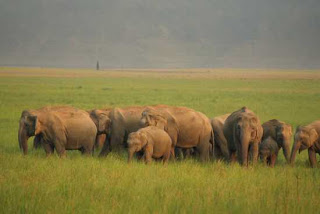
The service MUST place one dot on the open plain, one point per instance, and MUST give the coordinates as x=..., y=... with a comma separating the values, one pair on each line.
x=36, y=184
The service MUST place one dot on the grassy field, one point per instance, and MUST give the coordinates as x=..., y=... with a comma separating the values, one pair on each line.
x=35, y=184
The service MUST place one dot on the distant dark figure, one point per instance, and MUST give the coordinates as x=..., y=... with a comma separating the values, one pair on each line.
x=97, y=67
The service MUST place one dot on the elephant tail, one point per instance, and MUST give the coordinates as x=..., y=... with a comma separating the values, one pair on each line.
x=212, y=142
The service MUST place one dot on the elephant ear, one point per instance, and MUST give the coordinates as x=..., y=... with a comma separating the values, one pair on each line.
x=104, y=123
x=172, y=123
x=144, y=139
x=94, y=116
x=254, y=124
x=289, y=129
x=32, y=121
x=278, y=128
x=259, y=132
x=158, y=118
x=313, y=136
x=161, y=121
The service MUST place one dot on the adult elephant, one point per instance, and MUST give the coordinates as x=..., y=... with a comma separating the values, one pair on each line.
x=220, y=142
x=307, y=137
x=60, y=128
x=281, y=133
x=243, y=132
x=123, y=122
x=186, y=127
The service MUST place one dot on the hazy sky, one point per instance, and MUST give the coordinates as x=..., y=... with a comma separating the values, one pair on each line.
x=160, y=33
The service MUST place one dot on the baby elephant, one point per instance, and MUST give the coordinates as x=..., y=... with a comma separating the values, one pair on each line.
x=153, y=141
x=268, y=151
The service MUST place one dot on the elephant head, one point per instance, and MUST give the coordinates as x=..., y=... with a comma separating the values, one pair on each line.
x=304, y=138
x=283, y=138
x=136, y=141
x=102, y=121
x=247, y=131
x=29, y=126
x=153, y=118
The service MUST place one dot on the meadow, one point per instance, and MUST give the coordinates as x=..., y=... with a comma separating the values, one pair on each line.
x=36, y=184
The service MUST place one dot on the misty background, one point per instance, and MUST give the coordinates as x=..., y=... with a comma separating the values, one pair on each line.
x=160, y=33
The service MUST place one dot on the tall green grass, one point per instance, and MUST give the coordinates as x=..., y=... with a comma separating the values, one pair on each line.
x=35, y=184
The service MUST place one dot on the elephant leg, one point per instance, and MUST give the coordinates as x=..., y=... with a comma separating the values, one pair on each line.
x=140, y=155
x=172, y=154
x=48, y=148
x=273, y=160
x=87, y=151
x=148, y=157
x=224, y=151
x=60, y=150
x=312, y=157
x=233, y=156
x=106, y=149
x=166, y=157
x=203, y=149
x=37, y=141
x=263, y=158
x=217, y=152
x=187, y=153
x=268, y=160
x=178, y=152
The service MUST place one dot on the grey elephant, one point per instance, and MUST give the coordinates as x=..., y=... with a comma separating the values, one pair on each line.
x=60, y=128
x=268, y=151
x=243, y=132
x=153, y=141
x=220, y=142
x=281, y=133
x=307, y=137
x=186, y=127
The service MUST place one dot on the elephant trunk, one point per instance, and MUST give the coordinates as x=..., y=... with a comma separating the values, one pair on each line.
x=130, y=154
x=286, y=150
x=100, y=140
x=295, y=148
x=23, y=139
x=244, y=147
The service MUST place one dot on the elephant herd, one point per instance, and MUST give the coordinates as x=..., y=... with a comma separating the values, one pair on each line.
x=166, y=132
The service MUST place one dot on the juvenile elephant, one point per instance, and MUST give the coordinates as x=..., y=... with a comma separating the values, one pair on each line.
x=307, y=137
x=268, y=151
x=243, y=132
x=186, y=127
x=123, y=122
x=154, y=142
x=61, y=128
x=220, y=142
x=281, y=133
